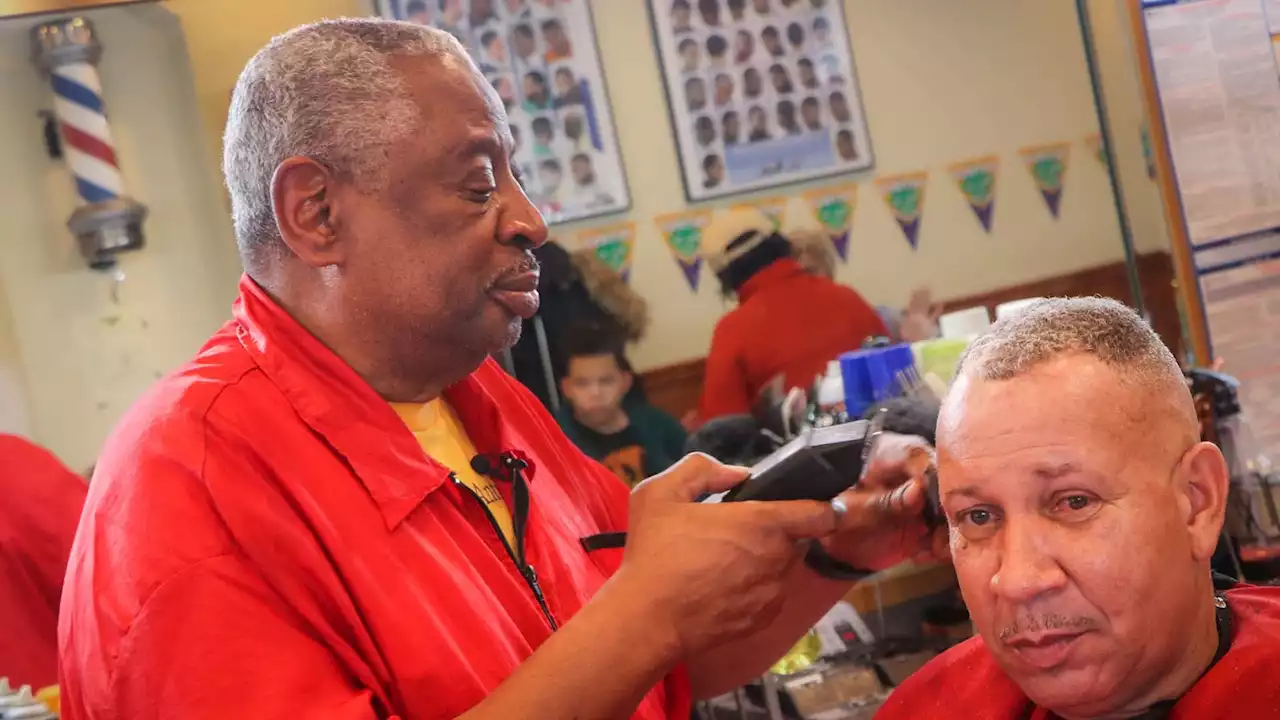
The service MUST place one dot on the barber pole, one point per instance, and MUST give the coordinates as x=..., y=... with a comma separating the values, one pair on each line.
x=108, y=221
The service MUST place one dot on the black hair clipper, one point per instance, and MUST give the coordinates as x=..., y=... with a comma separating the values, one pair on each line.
x=818, y=465
x=821, y=464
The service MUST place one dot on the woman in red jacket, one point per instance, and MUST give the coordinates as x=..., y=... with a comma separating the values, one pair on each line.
x=788, y=322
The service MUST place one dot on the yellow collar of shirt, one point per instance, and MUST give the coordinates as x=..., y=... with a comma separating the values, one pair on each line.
x=444, y=439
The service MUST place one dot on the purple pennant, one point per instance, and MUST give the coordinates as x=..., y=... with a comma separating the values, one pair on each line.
x=984, y=214
x=1054, y=199
x=841, y=242
x=692, y=271
x=911, y=228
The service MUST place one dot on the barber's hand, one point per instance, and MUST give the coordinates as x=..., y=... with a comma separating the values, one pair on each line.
x=884, y=523
x=713, y=572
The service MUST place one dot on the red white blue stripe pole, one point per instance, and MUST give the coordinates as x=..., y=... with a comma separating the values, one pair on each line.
x=82, y=117
x=108, y=220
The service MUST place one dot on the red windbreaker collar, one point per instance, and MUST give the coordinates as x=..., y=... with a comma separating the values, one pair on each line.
x=775, y=273
x=335, y=402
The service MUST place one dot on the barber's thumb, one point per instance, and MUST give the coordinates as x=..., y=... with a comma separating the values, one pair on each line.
x=864, y=508
x=697, y=475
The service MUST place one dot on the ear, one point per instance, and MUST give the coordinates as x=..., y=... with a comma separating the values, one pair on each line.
x=566, y=389
x=627, y=379
x=1203, y=482
x=306, y=209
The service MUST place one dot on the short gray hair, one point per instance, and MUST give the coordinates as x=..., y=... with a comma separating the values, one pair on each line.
x=1101, y=327
x=326, y=91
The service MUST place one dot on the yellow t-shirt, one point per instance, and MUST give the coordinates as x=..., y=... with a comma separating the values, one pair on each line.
x=444, y=440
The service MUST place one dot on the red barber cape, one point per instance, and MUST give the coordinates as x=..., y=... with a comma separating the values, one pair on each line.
x=40, y=503
x=965, y=683
x=264, y=538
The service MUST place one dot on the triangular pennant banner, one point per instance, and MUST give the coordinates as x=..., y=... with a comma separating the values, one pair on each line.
x=1048, y=166
x=1097, y=149
x=904, y=194
x=977, y=181
x=840, y=241
x=613, y=244
x=833, y=207
x=683, y=234
x=774, y=207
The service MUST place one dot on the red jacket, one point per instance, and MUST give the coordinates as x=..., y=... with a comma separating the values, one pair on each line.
x=965, y=683
x=787, y=322
x=40, y=503
x=264, y=538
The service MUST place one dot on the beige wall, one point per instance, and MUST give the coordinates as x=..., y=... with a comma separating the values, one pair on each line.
x=223, y=34
x=82, y=357
x=942, y=81
x=13, y=386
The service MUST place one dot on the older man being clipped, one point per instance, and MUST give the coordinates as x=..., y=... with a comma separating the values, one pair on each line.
x=1084, y=511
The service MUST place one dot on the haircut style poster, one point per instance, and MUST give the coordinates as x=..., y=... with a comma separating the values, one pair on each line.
x=541, y=58
x=761, y=92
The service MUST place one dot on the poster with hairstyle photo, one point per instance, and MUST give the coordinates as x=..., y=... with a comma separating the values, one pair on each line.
x=761, y=93
x=542, y=60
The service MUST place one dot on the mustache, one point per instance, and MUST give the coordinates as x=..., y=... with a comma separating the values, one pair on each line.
x=1051, y=621
x=527, y=264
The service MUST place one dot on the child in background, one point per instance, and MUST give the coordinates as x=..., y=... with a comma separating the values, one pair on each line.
x=627, y=435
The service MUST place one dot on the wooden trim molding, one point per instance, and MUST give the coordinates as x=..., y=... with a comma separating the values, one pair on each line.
x=1159, y=294
x=676, y=388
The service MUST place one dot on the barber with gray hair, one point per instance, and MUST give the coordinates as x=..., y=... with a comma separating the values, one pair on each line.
x=341, y=508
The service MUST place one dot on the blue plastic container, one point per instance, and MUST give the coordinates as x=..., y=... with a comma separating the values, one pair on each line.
x=872, y=376
x=857, y=383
